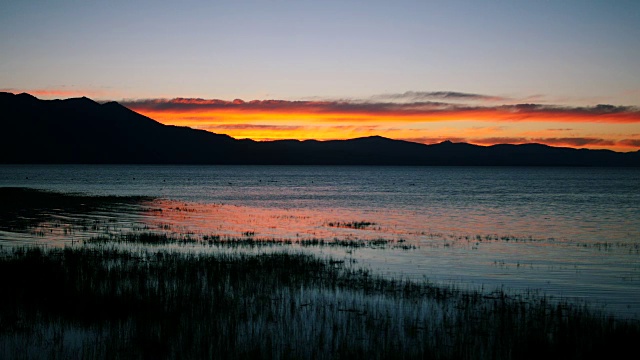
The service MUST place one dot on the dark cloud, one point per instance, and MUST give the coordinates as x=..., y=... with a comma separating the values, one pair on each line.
x=500, y=140
x=598, y=109
x=251, y=127
x=438, y=95
x=630, y=142
x=575, y=141
x=527, y=107
x=183, y=104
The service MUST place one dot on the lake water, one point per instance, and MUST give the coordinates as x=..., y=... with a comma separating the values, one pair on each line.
x=569, y=232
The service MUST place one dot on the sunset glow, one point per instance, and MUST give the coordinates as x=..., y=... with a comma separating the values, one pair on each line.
x=467, y=71
x=595, y=127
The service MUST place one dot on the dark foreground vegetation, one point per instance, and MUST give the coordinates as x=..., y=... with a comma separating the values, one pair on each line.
x=122, y=301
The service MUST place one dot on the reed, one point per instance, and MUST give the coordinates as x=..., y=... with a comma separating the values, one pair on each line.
x=105, y=301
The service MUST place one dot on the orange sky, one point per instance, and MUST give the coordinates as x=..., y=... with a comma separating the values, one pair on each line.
x=596, y=127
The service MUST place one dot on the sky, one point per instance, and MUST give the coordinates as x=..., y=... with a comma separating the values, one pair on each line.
x=563, y=73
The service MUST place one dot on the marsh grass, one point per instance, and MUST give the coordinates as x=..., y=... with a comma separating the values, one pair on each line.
x=100, y=301
x=351, y=224
x=247, y=240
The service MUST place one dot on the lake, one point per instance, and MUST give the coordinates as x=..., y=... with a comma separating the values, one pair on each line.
x=563, y=232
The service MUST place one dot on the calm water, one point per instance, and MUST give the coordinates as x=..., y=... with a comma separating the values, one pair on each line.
x=571, y=232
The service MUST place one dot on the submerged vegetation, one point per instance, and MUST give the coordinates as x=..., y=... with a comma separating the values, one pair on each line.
x=107, y=302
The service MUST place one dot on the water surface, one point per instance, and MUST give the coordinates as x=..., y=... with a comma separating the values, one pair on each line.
x=571, y=232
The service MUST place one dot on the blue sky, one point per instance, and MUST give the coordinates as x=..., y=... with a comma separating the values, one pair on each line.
x=581, y=51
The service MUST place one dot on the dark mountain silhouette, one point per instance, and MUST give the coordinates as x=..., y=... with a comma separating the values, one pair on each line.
x=81, y=130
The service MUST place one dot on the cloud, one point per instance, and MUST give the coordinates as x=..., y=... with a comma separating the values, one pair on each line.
x=414, y=96
x=185, y=104
x=630, y=142
x=499, y=140
x=252, y=127
x=575, y=141
x=309, y=129
x=484, y=124
x=421, y=111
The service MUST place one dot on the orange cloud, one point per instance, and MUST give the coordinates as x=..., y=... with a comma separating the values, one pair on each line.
x=631, y=143
x=420, y=121
x=375, y=111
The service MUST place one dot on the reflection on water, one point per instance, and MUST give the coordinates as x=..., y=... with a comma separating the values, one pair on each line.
x=567, y=232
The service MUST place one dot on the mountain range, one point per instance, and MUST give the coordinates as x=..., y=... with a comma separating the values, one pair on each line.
x=82, y=131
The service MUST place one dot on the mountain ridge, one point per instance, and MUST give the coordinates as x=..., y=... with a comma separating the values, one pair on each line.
x=80, y=130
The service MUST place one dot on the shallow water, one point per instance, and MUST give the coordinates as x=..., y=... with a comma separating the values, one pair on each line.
x=571, y=232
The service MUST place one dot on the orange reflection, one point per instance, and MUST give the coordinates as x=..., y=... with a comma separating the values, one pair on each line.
x=231, y=221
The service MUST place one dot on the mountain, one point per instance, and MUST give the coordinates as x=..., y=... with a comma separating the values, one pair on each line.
x=80, y=130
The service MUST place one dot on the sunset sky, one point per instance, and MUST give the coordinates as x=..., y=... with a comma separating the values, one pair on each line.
x=563, y=73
